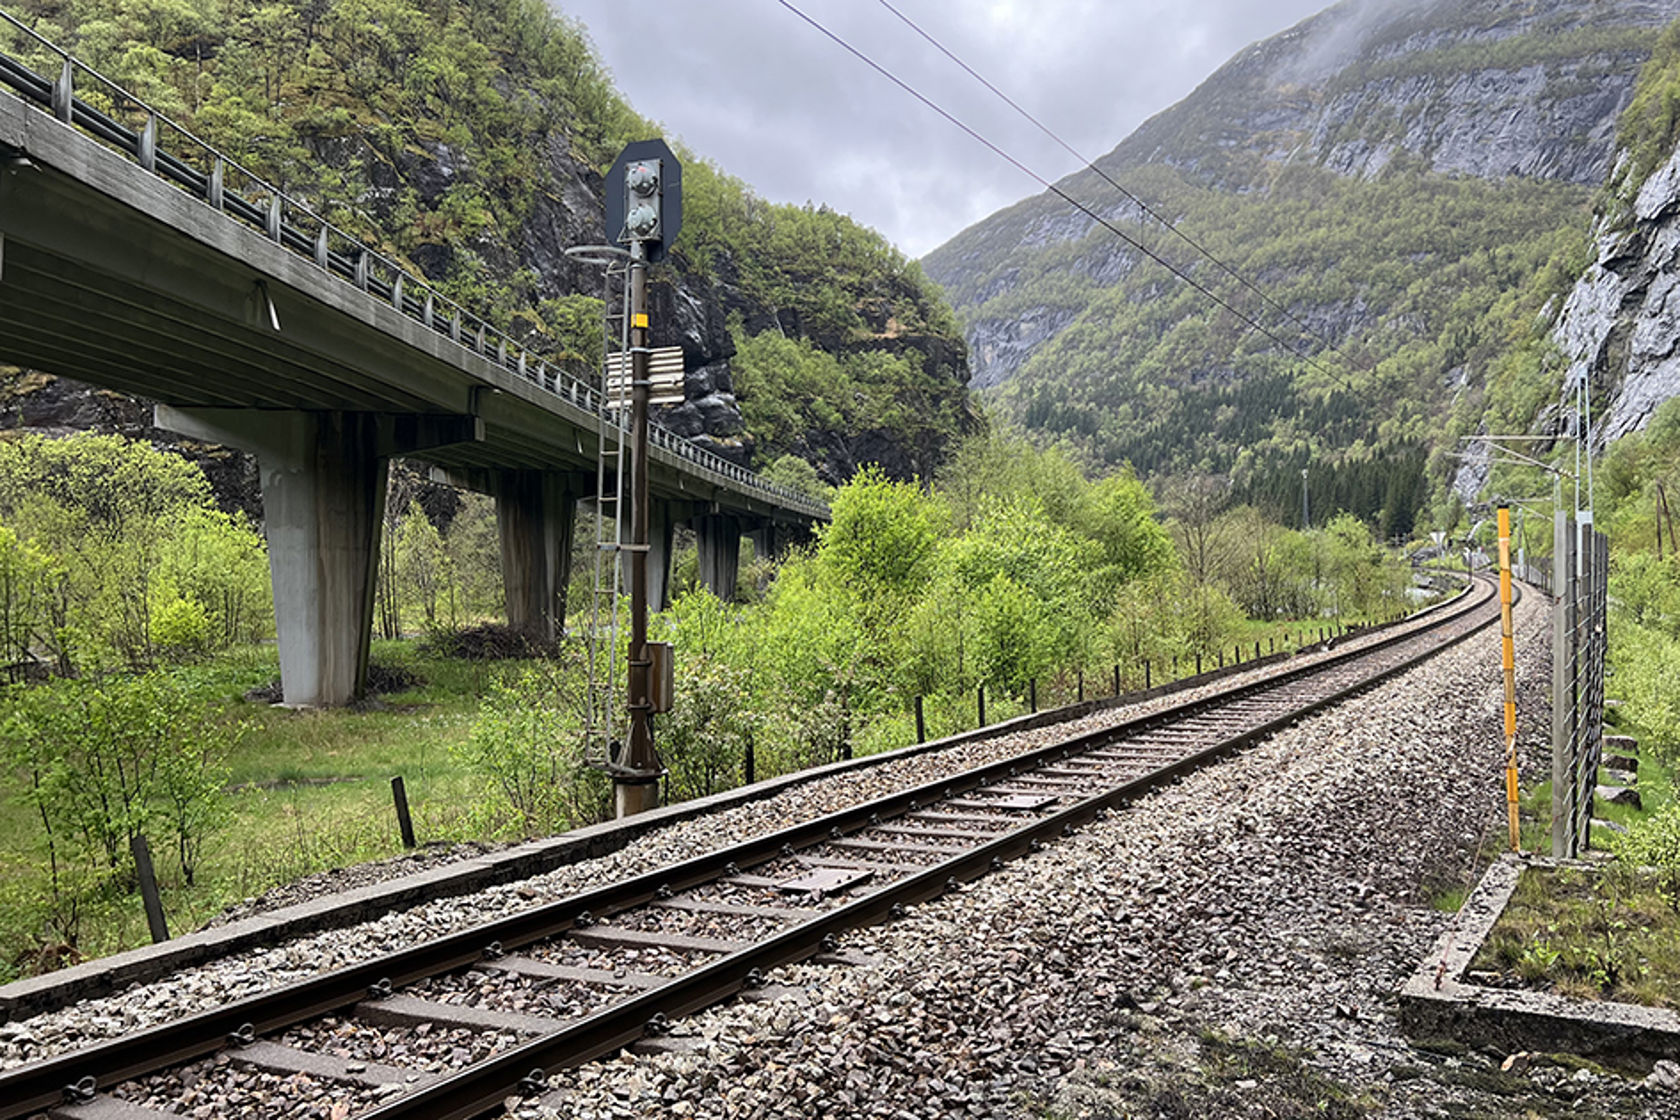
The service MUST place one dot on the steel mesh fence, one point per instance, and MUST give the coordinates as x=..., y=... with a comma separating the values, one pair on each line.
x=1580, y=572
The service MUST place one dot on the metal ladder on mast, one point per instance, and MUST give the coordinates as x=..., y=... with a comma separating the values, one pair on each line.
x=604, y=731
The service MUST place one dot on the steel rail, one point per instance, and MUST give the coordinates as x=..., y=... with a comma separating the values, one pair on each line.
x=159, y=965
x=486, y=1085
x=41, y=1085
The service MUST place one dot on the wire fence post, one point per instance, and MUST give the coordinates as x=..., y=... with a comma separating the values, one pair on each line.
x=1563, y=778
x=405, y=823
x=1508, y=663
x=149, y=895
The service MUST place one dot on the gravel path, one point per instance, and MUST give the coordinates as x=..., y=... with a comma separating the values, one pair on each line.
x=215, y=984
x=1228, y=947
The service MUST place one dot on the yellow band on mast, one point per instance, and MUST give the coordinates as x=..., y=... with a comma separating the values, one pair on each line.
x=1508, y=659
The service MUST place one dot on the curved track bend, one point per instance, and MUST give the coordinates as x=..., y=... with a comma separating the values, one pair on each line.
x=578, y=978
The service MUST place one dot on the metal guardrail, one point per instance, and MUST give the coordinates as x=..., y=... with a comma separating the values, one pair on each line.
x=124, y=123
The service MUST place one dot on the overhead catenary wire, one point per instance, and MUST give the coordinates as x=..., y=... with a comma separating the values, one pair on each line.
x=1090, y=165
x=1210, y=294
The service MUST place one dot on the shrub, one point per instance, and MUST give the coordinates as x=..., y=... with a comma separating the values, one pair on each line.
x=107, y=530
x=105, y=760
x=528, y=740
x=180, y=629
x=1655, y=842
x=703, y=739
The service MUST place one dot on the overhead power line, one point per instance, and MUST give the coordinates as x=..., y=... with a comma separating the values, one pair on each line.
x=1307, y=328
x=974, y=134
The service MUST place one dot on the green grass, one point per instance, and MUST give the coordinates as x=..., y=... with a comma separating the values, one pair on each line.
x=1448, y=900
x=1589, y=933
x=306, y=791
x=1656, y=790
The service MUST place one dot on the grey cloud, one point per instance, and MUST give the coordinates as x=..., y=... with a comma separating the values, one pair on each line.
x=750, y=86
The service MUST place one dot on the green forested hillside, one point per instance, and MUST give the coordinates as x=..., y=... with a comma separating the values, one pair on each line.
x=468, y=137
x=1647, y=133
x=1432, y=277
x=1412, y=188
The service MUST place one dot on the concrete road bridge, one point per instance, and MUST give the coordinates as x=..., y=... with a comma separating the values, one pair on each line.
x=135, y=257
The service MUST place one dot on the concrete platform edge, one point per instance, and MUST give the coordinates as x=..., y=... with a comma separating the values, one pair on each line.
x=1436, y=1001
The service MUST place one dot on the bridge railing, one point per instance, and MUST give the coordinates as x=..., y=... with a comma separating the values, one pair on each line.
x=82, y=97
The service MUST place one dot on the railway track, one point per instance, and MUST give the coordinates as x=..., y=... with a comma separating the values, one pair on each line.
x=483, y=1013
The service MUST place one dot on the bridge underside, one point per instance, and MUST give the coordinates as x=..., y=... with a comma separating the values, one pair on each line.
x=114, y=277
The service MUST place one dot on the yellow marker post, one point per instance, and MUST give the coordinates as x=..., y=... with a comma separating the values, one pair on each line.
x=1510, y=661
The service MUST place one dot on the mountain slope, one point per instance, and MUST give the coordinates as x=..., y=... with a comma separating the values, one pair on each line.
x=1412, y=183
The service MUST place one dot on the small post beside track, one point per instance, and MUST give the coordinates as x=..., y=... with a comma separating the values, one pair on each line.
x=405, y=823
x=1508, y=657
x=149, y=895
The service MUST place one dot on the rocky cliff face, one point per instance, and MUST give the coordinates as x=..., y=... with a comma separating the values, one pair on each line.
x=1475, y=87
x=685, y=309
x=1484, y=88
x=1620, y=327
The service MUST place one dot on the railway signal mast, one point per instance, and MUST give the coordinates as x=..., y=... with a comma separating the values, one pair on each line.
x=644, y=213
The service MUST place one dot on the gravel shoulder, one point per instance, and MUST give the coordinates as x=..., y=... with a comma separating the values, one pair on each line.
x=1229, y=946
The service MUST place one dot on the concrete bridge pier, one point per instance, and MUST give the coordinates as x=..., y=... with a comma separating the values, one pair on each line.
x=663, y=517
x=718, y=537
x=770, y=539
x=323, y=487
x=662, y=526
x=536, y=512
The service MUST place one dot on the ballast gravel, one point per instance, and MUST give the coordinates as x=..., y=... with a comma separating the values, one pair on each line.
x=213, y=985
x=1226, y=947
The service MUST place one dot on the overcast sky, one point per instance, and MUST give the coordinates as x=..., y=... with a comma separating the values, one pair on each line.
x=752, y=87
